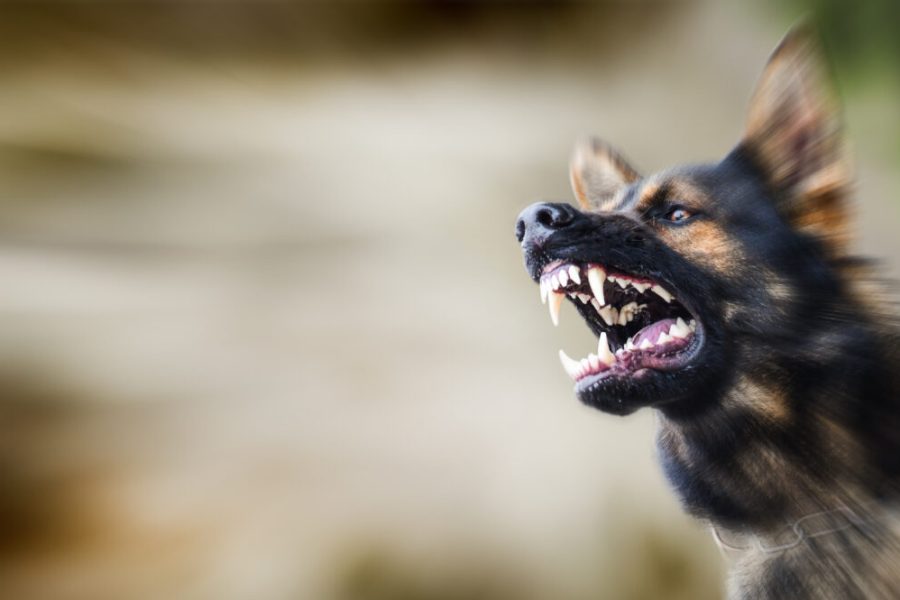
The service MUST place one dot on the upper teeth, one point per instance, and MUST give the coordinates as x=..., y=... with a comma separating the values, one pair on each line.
x=555, y=302
x=555, y=285
x=662, y=293
x=563, y=276
x=574, y=274
x=596, y=276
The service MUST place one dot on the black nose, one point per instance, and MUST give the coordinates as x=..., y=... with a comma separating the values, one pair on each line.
x=538, y=221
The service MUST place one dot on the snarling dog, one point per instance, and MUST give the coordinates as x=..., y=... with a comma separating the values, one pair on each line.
x=726, y=297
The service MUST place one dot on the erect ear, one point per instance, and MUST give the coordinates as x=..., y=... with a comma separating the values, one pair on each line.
x=794, y=135
x=597, y=172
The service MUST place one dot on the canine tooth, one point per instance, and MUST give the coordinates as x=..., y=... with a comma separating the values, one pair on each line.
x=664, y=338
x=594, y=361
x=563, y=277
x=545, y=290
x=574, y=274
x=571, y=366
x=607, y=313
x=603, y=351
x=596, y=276
x=554, y=282
x=645, y=344
x=662, y=293
x=555, y=302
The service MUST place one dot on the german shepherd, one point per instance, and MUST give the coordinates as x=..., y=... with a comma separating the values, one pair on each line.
x=726, y=297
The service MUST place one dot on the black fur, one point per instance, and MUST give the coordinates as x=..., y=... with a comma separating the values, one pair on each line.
x=791, y=404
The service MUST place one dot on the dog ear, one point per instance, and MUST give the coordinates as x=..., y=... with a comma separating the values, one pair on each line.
x=597, y=172
x=793, y=134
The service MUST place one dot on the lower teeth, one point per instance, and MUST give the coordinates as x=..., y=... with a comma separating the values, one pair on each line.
x=605, y=358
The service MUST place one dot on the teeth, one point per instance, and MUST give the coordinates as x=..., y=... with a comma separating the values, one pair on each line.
x=554, y=282
x=563, y=277
x=692, y=325
x=596, y=276
x=663, y=338
x=584, y=298
x=555, y=302
x=623, y=283
x=603, y=351
x=680, y=329
x=585, y=365
x=626, y=313
x=574, y=274
x=662, y=293
x=545, y=289
x=645, y=344
x=572, y=366
x=607, y=312
x=594, y=361
x=641, y=287
x=629, y=344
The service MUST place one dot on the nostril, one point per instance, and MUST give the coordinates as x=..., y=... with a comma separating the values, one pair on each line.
x=545, y=217
x=520, y=230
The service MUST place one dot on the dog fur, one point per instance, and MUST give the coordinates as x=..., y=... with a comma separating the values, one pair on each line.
x=785, y=427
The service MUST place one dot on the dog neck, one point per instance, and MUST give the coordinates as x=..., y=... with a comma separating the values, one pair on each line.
x=796, y=472
x=841, y=553
x=792, y=436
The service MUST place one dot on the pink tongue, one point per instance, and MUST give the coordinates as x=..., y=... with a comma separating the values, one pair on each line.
x=653, y=331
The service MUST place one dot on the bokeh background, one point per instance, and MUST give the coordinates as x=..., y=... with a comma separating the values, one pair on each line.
x=264, y=329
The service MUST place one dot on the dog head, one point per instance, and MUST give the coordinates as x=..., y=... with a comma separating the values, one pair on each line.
x=697, y=276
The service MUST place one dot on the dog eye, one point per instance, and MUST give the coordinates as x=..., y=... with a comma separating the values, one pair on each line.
x=678, y=214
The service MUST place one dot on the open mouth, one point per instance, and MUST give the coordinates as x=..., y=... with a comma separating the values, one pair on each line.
x=640, y=324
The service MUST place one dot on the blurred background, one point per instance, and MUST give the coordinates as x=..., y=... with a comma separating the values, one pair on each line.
x=264, y=328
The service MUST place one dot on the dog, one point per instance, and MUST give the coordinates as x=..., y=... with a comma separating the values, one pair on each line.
x=727, y=298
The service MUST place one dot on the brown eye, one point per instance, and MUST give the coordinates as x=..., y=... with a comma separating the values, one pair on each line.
x=679, y=214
